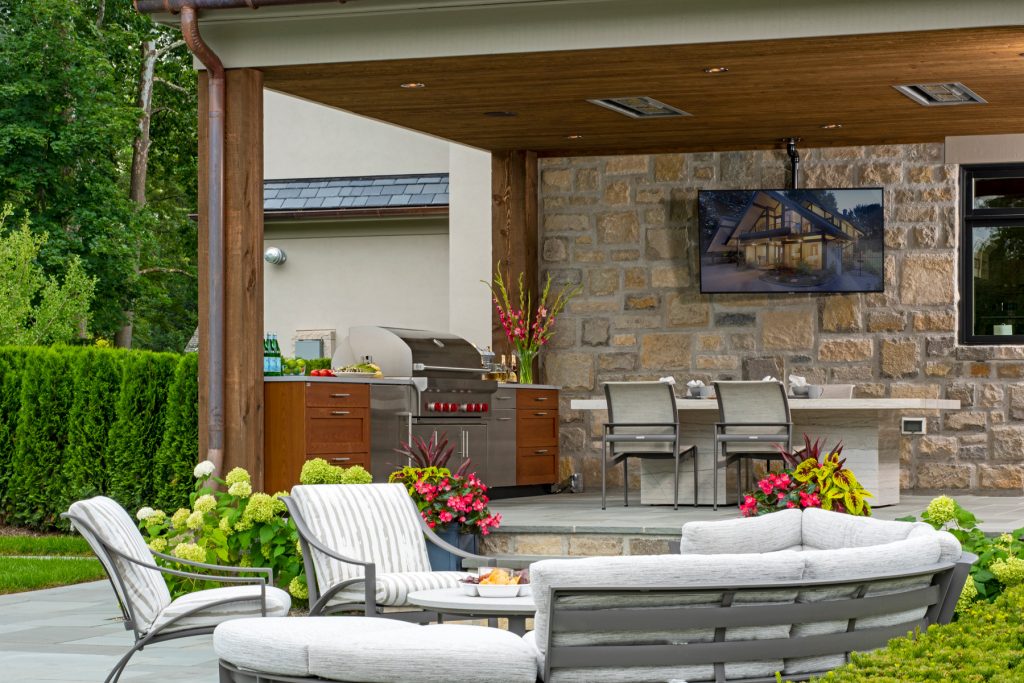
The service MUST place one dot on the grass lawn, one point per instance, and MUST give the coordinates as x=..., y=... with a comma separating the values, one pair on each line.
x=44, y=545
x=28, y=574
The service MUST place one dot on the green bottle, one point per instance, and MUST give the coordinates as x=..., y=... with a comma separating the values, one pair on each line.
x=266, y=354
x=275, y=352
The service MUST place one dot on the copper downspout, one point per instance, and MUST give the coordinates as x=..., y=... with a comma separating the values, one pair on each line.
x=214, y=337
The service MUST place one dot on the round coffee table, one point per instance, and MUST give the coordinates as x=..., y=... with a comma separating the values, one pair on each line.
x=454, y=601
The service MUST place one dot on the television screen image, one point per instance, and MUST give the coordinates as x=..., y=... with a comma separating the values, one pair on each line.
x=813, y=240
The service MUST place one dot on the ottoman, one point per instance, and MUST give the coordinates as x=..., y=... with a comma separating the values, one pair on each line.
x=369, y=650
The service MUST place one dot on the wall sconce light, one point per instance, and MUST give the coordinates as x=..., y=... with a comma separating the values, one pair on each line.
x=274, y=256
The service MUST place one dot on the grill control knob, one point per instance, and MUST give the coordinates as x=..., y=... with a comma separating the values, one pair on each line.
x=484, y=407
x=466, y=408
x=452, y=408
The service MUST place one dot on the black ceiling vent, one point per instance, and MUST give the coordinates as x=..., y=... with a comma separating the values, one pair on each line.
x=940, y=94
x=639, y=107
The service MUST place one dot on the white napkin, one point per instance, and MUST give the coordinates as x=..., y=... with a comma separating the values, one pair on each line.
x=668, y=380
x=695, y=383
x=769, y=378
x=797, y=381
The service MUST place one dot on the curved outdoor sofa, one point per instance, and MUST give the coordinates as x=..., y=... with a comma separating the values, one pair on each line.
x=791, y=592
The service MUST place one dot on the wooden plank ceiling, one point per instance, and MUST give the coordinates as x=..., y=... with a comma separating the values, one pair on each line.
x=773, y=89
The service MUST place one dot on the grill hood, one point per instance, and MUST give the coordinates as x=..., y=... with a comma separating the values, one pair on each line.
x=402, y=352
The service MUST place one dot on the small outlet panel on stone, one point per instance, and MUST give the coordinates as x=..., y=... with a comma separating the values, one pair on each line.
x=914, y=425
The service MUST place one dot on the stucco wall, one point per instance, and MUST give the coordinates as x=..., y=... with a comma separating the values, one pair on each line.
x=625, y=227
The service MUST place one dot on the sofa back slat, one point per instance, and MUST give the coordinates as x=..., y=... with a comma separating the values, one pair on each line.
x=709, y=616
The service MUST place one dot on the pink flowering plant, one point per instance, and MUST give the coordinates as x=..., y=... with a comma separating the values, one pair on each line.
x=810, y=478
x=525, y=328
x=445, y=499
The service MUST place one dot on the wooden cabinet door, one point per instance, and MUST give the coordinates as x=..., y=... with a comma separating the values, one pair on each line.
x=337, y=430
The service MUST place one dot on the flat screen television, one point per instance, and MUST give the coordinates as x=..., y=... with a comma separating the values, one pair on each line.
x=813, y=240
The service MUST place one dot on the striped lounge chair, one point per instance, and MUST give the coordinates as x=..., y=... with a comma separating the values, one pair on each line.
x=364, y=547
x=145, y=600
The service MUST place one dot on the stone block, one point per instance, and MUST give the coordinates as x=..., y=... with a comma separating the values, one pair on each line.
x=627, y=165
x=555, y=249
x=915, y=213
x=587, y=180
x=1017, y=401
x=900, y=357
x=1008, y=442
x=585, y=306
x=757, y=368
x=961, y=391
x=663, y=243
x=617, y=361
x=645, y=545
x=881, y=173
x=572, y=440
x=792, y=329
x=939, y=347
x=642, y=302
x=927, y=279
x=966, y=420
x=595, y=331
x=498, y=544
x=683, y=311
x=625, y=255
x=556, y=179
x=663, y=351
x=669, y=168
x=979, y=370
x=866, y=390
x=908, y=390
x=635, y=278
x=934, y=321
x=926, y=236
x=616, y=193
x=584, y=240
x=886, y=321
x=845, y=350
x=670, y=277
x=1001, y=477
x=840, y=314
x=570, y=370
x=921, y=175
x=642, y=321
x=604, y=281
x=650, y=195
x=735, y=319
x=1010, y=370
x=742, y=341
x=703, y=172
x=992, y=396
x=710, y=342
x=588, y=255
x=592, y=545
x=618, y=228
x=943, y=476
x=540, y=544
x=895, y=237
x=623, y=340
x=709, y=362
x=563, y=276
x=566, y=222
x=655, y=216
x=937, y=447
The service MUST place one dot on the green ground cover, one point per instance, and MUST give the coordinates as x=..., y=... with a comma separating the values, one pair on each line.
x=19, y=574
x=44, y=545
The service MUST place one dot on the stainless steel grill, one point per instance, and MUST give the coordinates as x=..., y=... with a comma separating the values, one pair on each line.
x=445, y=395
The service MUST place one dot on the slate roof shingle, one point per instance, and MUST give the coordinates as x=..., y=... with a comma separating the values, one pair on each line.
x=368, y=192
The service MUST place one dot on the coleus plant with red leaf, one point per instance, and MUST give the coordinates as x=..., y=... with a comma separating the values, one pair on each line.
x=812, y=477
x=435, y=452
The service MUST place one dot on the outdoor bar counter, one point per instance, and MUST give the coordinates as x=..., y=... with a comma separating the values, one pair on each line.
x=868, y=427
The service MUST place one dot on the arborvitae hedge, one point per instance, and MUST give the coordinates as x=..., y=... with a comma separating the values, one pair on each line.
x=77, y=421
x=179, y=451
x=139, y=428
x=41, y=437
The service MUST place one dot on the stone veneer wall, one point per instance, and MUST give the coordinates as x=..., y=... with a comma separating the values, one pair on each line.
x=626, y=226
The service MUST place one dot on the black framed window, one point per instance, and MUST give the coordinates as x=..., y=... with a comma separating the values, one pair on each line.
x=992, y=254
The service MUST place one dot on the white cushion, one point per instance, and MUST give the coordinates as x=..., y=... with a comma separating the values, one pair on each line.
x=282, y=646
x=828, y=530
x=375, y=523
x=950, y=548
x=440, y=653
x=147, y=592
x=244, y=602
x=865, y=561
x=764, y=534
x=393, y=589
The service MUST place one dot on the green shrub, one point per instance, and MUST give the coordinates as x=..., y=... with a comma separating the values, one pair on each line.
x=11, y=361
x=36, y=485
x=136, y=434
x=96, y=378
x=985, y=645
x=179, y=451
x=319, y=471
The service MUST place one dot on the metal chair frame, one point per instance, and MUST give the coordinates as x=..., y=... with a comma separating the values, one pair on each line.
x=609, y=439
x=160, y=633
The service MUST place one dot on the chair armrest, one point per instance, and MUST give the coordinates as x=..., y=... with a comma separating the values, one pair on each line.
x=723, y=425
x=432, y=537
x=268, y=571
x=187, y=575
x=514, y=561
x=613, y=425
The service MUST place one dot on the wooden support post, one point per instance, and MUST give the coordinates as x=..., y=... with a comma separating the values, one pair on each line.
x=514, y=226
x=243, y=271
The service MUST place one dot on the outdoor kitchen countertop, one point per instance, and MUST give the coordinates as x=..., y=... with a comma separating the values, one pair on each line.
x=351, y=379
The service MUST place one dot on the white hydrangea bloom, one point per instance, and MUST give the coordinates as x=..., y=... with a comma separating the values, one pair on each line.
x=203, y=469
x=144, y=513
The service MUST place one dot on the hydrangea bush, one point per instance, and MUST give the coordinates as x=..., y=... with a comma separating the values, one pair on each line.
x=227, y=523
x=1000, y=562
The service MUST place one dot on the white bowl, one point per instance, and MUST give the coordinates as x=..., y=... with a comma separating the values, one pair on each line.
x=486, y=591
x=524, y=590
x=468, y=589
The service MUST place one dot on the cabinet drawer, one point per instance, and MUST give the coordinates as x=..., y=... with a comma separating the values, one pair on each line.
x=343, y=459
x=332, y=394
x=536, y=467
x=537, y=428
x=337, y=430
x=537, y=398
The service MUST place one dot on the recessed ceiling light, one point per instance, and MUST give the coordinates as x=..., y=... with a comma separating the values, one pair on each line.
x=831, y=126
x=500, y=114
x=715, y=69
x=414, y=86
x=574, y=136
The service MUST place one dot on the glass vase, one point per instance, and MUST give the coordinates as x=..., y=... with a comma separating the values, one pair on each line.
x=526, y=357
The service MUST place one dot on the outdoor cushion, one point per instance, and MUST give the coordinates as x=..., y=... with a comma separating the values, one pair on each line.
x=440, y=653
x=828, y=530
x=370, y=522
x=146, y=590
x=867, y=560
x=282, y=647
x=393, y=589
x=278, y=604
x=951, y=550
x=764, y=534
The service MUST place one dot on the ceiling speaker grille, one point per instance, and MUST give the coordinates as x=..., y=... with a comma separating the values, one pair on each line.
x=940, y=94
x=639, y=107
